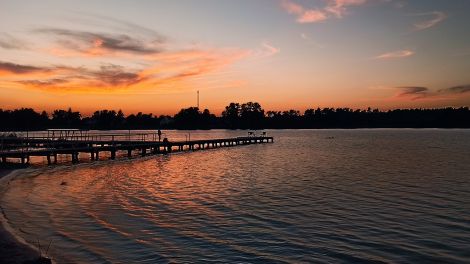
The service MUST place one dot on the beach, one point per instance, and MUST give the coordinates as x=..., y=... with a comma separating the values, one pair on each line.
x=12, y=250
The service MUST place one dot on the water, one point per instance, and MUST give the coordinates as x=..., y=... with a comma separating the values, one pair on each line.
x=314, y=196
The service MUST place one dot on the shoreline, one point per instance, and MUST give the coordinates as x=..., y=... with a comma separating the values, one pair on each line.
x=12, y=248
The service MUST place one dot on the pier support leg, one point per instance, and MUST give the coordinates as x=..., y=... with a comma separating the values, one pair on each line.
x=113, y=154
x=92, y=155
x=75, y=157
x=4, y=159
x=55, y=158
x=97, y=156
x=49, y=160
x=144, y=152
x=129, y=153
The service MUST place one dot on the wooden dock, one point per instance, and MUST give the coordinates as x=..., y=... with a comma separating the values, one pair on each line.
x=22, y=148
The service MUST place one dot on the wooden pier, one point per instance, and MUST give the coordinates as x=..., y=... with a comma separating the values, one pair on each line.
x=22, y=148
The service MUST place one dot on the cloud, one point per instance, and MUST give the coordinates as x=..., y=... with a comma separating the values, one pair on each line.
x=269, y=50
x=13, y=68
x=44, y=83
x=304, y=15
x=162, y=69
x=98, y=44
x=115, y=75
x=437, y=17
x=311, y=16
x=336, y=8
x=9, y=42
x=395, y=55
x=339, y=7
x=456, y=89
x=107, y=75
x=418, y=92
x=138, y=60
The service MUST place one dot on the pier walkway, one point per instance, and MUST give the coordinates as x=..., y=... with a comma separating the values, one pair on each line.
x=22, y=148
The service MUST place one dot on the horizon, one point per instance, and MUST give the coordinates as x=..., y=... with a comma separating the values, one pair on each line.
x=154, y=56
x=219, y=114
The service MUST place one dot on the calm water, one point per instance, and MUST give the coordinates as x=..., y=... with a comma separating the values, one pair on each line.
x=327, y=196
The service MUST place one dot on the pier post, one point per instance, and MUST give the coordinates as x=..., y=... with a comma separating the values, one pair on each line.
x=48, y=159
x=113, y=154
x=97, y=157
x=74, y=157
x=144, y=152
x=129, y=153
x=92, y=155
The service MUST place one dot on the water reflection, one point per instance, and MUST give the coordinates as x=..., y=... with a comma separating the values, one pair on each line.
x=313, y=196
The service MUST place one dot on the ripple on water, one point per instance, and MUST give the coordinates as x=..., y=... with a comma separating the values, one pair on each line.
x=323, y=196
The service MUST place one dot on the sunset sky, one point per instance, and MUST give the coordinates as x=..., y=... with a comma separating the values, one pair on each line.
x=152, y=56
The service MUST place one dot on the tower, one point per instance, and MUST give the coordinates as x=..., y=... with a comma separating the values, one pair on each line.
x=198, y=99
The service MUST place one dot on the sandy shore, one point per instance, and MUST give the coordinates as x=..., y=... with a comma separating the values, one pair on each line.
x=12, y=250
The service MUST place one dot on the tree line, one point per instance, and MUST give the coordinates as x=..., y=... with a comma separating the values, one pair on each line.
x=248, y=115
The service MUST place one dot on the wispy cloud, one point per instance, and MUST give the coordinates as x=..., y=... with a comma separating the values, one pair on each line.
x=418, y=92
x=335, y=8
x=303, y=14
x=8, y=68
x=339, y=7
x=395, y=55
x=9, y=42
x=268, y=50
x=98, y=44
x=159, y=70
x=139, y=60
x=436, y=17
x=456, y=89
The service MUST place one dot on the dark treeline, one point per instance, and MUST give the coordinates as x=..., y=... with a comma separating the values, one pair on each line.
x=238, y=116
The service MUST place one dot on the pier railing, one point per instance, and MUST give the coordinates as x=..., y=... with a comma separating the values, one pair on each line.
x=92, y=144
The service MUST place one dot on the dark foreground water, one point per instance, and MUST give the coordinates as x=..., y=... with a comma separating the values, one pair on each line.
x=317, y=196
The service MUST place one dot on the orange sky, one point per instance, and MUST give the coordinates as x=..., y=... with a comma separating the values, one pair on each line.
x=153, y=56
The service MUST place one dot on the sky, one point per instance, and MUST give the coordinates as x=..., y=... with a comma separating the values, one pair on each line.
x=153, y=56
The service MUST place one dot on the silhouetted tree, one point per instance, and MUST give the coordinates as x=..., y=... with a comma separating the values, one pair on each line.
x=66, y=119
x=231, y=115
x=251, y=115
x=188, y=118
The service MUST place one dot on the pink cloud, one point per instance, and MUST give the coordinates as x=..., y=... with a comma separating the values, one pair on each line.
x=339, y=7
x=309, y=15
x=395, y=54
x=304, y=15
x=437, y=18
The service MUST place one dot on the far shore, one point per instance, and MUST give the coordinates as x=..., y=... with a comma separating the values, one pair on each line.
x=12, y=250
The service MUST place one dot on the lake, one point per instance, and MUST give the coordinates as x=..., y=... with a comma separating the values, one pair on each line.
x=313, y=196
